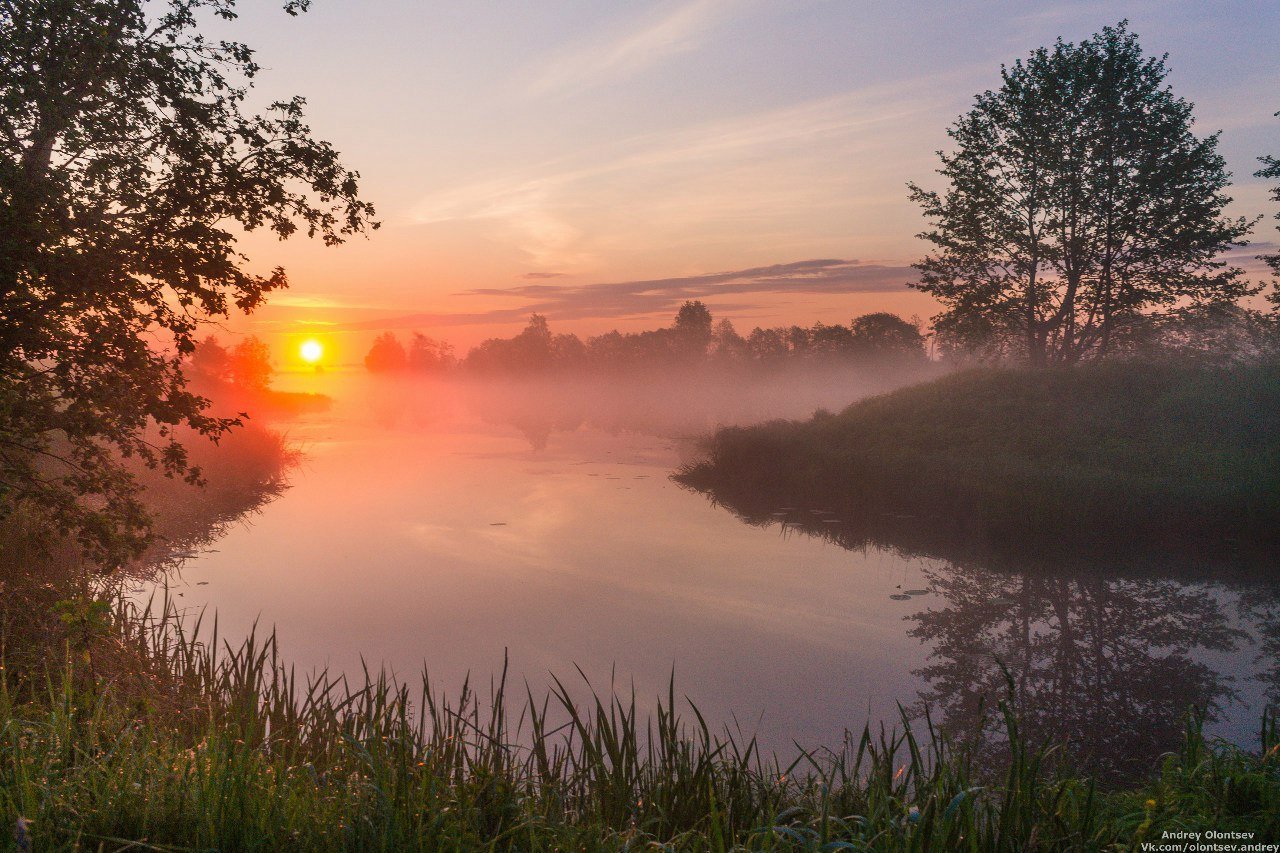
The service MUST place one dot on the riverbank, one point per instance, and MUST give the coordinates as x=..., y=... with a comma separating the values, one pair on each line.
x=140, y=737
x=1149, y=453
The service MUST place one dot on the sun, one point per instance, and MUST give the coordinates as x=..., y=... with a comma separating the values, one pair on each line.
x=311, y=351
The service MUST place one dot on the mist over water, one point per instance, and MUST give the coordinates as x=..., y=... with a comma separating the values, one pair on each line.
x=447, y=523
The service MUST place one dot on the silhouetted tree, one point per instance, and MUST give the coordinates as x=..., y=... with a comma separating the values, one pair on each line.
x=829, y=342
x=386, y=355
x=608, y=351
x=427, y=355
x=886, y=336
x=1079, y=201
x=490, y=356
x=695, y=339
x=1215, y=333
x=209, y=362
x=568, y=352
x=656, y=349
x=1271, y=169
x=532, y=347
x=692, y=330
x=799, y=339
x=728, y=347
x=128, y=163
x=528, y=352
x=250, y=367
x=247, y=365
x=768, y=346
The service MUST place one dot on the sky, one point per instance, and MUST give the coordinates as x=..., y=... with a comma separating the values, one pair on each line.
x=602, y=162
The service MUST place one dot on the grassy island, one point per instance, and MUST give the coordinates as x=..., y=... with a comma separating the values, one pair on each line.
x=1150, y=451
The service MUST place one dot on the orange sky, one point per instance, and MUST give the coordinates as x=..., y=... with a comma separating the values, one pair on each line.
x=600, y=163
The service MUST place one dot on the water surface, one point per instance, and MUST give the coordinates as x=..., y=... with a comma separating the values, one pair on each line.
x=432, y=525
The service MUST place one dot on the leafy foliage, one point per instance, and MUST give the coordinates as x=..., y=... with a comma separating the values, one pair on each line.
x=1271, y=169
x=1079, y=202
x=128, y=162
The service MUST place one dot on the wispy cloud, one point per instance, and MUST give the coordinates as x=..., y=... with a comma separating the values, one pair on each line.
x=645, y=43
x=644, y=188
x=654, y=296
x=744, y=136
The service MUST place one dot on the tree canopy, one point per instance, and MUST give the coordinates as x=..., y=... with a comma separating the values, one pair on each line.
x=129, y=162
x=884, y=335
x=1079, y=203
x=1271, y=169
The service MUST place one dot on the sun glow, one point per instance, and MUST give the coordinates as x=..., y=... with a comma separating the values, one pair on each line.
x=311, y=351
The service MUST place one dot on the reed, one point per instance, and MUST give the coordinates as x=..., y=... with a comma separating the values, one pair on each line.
x=152, y=732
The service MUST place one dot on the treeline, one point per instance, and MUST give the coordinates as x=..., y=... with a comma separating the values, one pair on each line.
x=695, y=339
x=245, y=365
x=423, y=355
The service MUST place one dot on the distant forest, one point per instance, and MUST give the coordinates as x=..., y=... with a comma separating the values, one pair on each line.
x=694, y=339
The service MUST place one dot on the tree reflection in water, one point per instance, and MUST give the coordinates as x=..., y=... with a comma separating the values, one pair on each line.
x=1106, y=666
x=1260, y=605
x=1106, y=646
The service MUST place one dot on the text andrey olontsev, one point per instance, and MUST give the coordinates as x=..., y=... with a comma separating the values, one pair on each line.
x=1209, y=840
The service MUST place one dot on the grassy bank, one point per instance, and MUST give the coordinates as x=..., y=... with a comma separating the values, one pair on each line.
x=141, y=738
x=1150, y=451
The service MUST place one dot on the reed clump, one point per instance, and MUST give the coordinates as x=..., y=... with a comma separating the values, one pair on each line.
x=148, y=731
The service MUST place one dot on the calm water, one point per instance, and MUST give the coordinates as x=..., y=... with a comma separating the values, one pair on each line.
x=432, y=527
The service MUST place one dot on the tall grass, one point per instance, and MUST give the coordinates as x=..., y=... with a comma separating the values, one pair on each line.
x=140, y=735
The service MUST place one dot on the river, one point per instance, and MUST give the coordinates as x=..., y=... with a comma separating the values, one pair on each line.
x=438, y=527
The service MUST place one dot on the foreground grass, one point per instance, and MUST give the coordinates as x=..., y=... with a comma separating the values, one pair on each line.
x=182, y=747
x=1145, y=450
